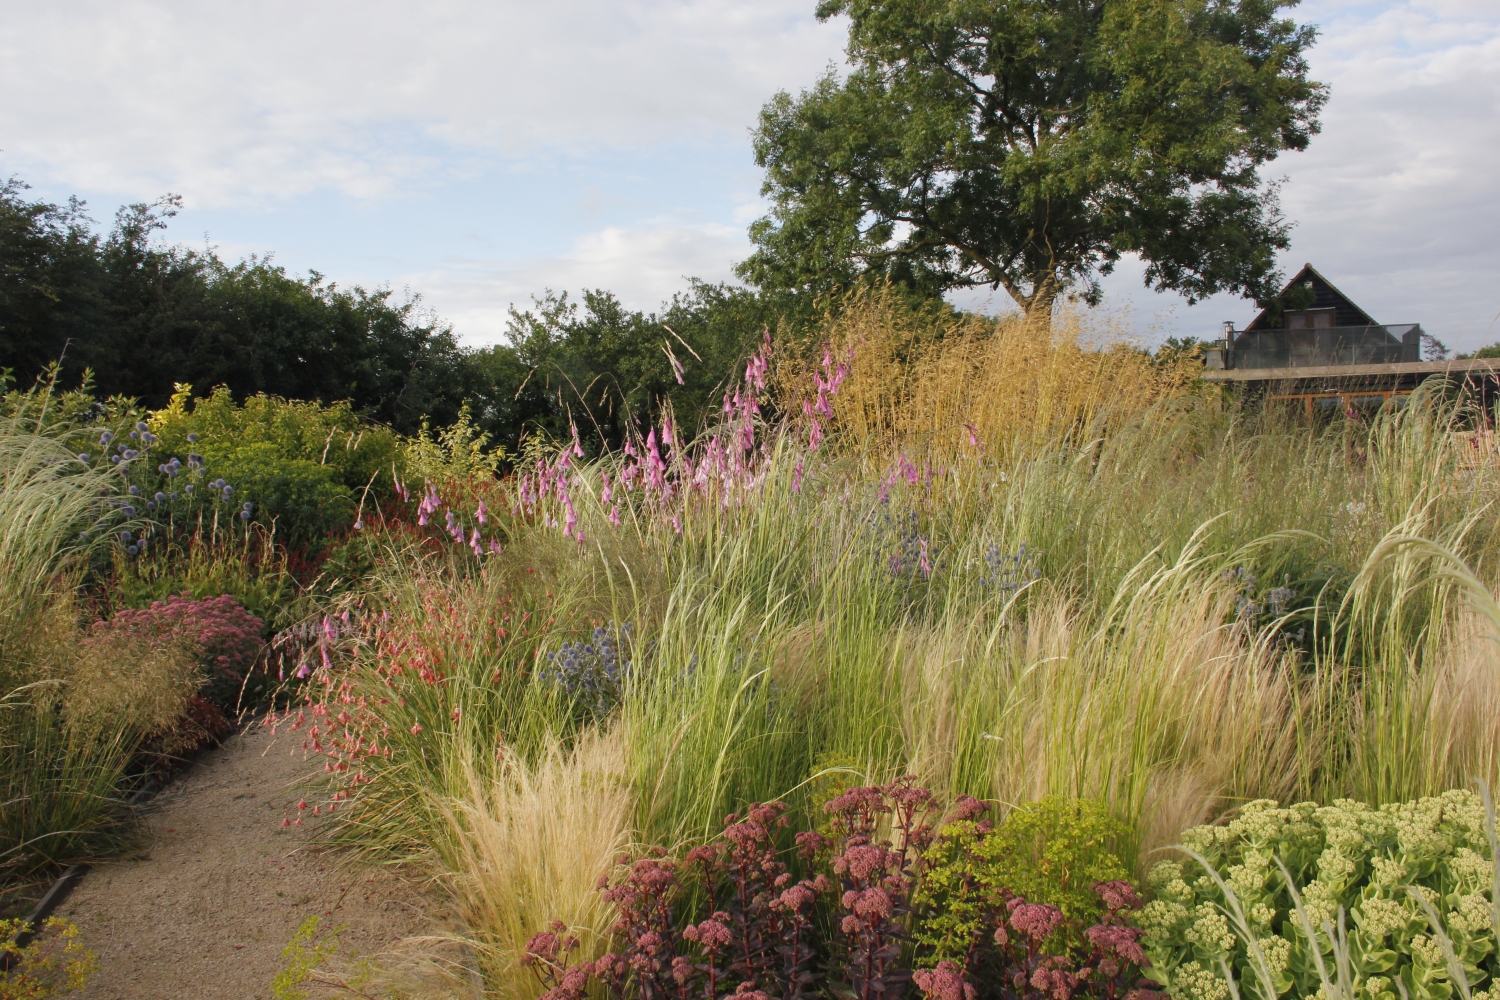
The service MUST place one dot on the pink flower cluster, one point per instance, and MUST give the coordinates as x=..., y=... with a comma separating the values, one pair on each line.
x=227, y=638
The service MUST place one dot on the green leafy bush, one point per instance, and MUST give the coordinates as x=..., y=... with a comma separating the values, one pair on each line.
x=1364, y=874
x=1052, y=852
x=306, y=467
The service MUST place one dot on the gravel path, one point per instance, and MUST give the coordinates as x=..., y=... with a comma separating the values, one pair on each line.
x=206, y=906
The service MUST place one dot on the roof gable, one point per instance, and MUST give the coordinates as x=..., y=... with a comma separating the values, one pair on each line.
x=1324, y=296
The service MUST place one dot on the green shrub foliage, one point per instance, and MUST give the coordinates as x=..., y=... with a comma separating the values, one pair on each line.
x=1359, y=868
x=1052, y=851
x=306, y=467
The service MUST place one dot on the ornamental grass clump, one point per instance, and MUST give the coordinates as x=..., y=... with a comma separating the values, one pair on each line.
x=1393, y=901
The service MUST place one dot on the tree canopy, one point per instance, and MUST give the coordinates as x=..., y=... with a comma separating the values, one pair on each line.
x=144, y=316
x=1027, y=145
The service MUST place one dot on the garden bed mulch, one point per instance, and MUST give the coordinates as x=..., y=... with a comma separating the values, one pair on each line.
x=218, y=886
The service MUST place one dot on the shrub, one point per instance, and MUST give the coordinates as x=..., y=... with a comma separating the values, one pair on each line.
x=1367, y=875
x=304, y=465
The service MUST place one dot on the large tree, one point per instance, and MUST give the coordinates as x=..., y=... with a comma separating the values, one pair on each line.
x=1028, y=144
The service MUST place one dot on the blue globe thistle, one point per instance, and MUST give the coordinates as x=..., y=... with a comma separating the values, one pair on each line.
x=192, y=437
x=105, y=437
x=134, y=435
x=227, y=490
x=160, y=496
x=83, y=456
x=128, y=510
x=188, y=488
x=131, y=454
x=132, y=550
x=247, y=505
x=150, y=504
x=126, y=537
x=120, y=448
x=140, y=425
x=114, y=459
x=244, y=515
x=134, y=490
x=172, y=495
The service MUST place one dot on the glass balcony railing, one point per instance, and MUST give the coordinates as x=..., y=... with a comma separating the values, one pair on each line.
x=1327, y=346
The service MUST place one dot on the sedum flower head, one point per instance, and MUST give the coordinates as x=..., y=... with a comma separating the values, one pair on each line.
x=1210, y=930
x=1193, y=982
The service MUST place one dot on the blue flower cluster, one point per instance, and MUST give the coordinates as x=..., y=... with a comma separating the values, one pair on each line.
x=592, y=673
x=1010, y=571
x=912, y=551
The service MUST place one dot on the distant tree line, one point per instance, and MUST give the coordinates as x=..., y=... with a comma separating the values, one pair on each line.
x=142, y=315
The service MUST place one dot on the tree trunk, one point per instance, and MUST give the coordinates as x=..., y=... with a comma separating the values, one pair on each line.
x=1038, y=306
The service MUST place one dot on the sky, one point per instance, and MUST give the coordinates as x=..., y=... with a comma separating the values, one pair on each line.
x=479, y=153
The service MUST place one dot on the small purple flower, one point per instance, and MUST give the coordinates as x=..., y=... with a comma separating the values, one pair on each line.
x=83, y=456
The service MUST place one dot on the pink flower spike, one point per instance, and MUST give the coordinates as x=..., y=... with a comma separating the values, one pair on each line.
x=797, y=478
x=614, y=515
x=417, y=728
x=482, y=514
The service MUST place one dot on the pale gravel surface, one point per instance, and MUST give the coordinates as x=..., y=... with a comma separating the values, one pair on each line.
x=218, y=887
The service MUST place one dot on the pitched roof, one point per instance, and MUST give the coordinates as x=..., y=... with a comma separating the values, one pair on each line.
x=1325, y=296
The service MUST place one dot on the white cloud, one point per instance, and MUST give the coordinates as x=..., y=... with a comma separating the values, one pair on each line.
x=643, y=265
x=235, y=103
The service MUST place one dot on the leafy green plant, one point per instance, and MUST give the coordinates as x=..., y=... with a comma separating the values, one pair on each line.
x=1396, y=897
x=1053, y=852
x=306, y=467
x=52, y=963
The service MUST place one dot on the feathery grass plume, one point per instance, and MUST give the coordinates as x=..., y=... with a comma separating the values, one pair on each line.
x=529, y=843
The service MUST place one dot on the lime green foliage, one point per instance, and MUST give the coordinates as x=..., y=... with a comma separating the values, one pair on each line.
x=53, y=963
x=306, y=467
x=1051, y=851
x=457, y=452
x=1358, y=871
